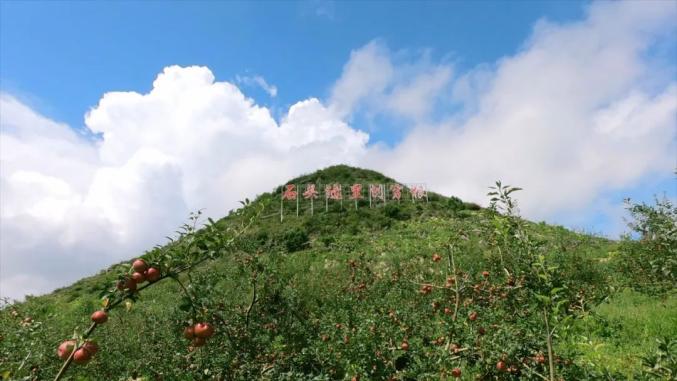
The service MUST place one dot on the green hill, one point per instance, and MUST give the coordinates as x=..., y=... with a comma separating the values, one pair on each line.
x=404, y=291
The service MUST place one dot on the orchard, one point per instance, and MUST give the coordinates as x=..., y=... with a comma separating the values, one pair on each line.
x=399, y=292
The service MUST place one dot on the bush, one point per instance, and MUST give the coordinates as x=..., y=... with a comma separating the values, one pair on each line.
x=455, y=204
x=328, y=240
x=295, y=240
x=253, y=241
x=395, y=212
x=649, y=259
x=471, y=206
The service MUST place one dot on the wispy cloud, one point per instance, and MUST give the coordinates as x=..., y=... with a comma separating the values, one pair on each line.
x=257, y=80
x=318, y=8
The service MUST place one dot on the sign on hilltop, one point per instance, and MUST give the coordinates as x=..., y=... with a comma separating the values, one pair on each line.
x=376, y=194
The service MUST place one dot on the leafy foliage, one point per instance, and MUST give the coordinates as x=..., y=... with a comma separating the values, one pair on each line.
x=650, y=261
x=409, y=291
x=663, y=362
x=295, y=240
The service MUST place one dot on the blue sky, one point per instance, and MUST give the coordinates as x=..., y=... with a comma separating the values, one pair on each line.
x=62, y=56
x=117, y=119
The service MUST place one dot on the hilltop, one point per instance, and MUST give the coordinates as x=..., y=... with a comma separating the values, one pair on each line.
x=441, y=289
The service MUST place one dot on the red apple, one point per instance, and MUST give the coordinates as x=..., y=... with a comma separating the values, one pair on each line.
x=204, y=330
x=99, y=317
x=456, y=372
x=81, y=356
x=426, y=289
x=500, y=366
x=152, y=274
x=65, y=349
x=138, y=277
x=139, y=265
x=472, y=316
x=130, y=284
x=90, y=347
x=404, y=346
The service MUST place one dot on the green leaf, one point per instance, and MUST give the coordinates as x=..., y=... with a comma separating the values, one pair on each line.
x=544, y=299
x=556, y=290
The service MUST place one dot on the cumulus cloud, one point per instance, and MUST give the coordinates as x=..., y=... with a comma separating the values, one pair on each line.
x=580, y=109
x=72, y=205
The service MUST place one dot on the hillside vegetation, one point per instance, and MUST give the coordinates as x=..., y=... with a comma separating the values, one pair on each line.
x=441, y=290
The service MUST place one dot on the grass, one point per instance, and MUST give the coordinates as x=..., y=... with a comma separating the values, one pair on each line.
x=624, y=328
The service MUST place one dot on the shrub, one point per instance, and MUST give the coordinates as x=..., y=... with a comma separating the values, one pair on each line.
x=471, y=206
x=328, y=240
x=295, y=240
x=455, y=203
x=649, y=259
x=395, y=212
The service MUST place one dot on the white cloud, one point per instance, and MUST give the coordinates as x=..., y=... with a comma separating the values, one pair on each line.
x=416, y=99
x=71, y=206
x=568, y=117
x=579, y=110
x=402, y=84
x=257, y=80
x=366, y=75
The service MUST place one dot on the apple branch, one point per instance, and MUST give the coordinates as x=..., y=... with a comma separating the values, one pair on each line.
x=129, y=293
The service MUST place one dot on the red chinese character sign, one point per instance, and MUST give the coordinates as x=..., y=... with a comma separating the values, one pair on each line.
x=396, y=192
x=310, y=194
x=418, y=192
x=332, y=192
x=377, y=193
x=356, y=193
x=289, y=193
